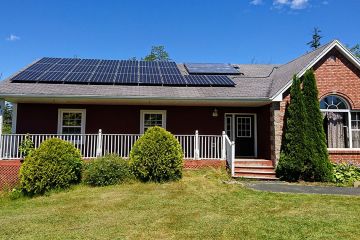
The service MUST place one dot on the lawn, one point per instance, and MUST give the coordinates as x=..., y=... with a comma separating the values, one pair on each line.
x=199, y=206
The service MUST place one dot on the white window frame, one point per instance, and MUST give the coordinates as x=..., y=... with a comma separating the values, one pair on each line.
x=142, y=117
x=61, y=112
x=237, y=127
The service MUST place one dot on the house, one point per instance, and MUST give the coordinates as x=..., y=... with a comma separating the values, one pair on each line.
x=77, y=97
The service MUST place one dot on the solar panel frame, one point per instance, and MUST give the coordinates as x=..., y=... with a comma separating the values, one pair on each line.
x=40, y=67
x=149, y=71
x=196, y=80
x=84, y=68
x=170, y=71
x=62, y=68
x=103, y=78
x=71, y=61
x=167, y=64
x=90, y=62
x=78, y=77
x=220, y=80
x=49, y=60
x=52, y=76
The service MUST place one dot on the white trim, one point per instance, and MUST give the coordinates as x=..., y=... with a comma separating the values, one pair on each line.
x=232, y=137
x=278, y=96
x=71, y=110
x=14, y=118
x=143, y=112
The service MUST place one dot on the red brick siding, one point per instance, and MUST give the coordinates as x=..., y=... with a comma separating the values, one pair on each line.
x=336, y=75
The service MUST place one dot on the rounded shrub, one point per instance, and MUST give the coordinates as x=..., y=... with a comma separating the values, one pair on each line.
x=108, y=170
x=56, y=164
x=157, y=156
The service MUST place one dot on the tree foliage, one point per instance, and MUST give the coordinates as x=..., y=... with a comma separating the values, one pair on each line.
x=158, y=53
x=316, y=37
x=7, y=115
x=356, y=50
x=293, y=153
x=317, y=166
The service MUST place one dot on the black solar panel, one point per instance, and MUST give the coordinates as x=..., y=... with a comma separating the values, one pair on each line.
x=52, y=77
x=27, y=76
x=150, y=79
x=94, y=71
x=197, y=80
x=173, y=80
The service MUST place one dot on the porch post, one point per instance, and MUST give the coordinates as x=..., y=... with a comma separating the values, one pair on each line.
x=99, y=144
x=2, y=106
x=197, y=152
x=223, y=147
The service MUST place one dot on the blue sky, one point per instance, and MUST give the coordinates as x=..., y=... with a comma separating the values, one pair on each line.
x=231, y=31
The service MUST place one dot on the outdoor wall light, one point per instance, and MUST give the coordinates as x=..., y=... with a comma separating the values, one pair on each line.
x=215, y=113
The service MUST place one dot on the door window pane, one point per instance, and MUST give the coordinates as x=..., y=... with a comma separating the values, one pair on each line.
x=243, y=126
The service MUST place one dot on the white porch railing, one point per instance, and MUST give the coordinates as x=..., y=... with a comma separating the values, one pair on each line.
x=92, y=145
x=230, y=153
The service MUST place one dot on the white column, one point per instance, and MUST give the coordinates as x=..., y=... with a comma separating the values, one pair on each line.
x=99, y=144
x=197, y=151
x=223, y=147
x=14, y=118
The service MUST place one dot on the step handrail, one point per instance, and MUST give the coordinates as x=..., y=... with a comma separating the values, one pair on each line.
x=230, y=154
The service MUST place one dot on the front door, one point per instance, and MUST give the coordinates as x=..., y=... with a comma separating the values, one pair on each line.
x=241, y=129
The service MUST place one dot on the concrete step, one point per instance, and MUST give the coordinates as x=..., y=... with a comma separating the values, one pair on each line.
x=267, y=170
x=253, y=162
x=267, y=178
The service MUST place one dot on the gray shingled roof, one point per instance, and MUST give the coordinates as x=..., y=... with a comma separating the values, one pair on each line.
x=256, y=82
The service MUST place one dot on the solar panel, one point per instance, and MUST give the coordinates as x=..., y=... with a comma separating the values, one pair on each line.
x=149, y=71
x=165, y=64
x=126, y=79
x=105, y=78
x=150, y=79
x=197, y=80
x=62, y=68
x=39, y=67
x=211, y=68
x=170, y=71
x=69, y=61
x=173, y=80
x=49, y=60
x=220, y=80
x=71, y=70
x=52, y=77
x=27, y=76
x=78, y=77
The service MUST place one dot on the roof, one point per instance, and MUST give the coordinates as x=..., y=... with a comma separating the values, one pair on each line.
x=257, y=82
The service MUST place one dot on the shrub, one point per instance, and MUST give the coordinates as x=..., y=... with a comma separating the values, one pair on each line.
x=317, y=165
x=294, y=145
x=157, y=156
x=107, y=170
x=56, y=164
x=346, y=173
x=26, y=146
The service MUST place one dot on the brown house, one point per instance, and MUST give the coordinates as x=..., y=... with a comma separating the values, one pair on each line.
x=74, y=98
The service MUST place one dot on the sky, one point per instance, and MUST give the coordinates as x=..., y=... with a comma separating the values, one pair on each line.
x=204, y=31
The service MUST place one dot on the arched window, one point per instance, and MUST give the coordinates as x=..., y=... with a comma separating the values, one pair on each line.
x=342, y=126
x=333, y=102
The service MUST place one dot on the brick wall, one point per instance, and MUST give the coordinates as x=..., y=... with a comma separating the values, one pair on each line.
x=335, y=75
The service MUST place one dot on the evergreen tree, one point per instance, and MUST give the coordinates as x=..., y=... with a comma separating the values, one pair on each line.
x=317, y=166
x=158, y=53
x=315, y=42
x=293, y=153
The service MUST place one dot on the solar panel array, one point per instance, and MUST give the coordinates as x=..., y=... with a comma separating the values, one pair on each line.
x=211, y=68
x=122, y=72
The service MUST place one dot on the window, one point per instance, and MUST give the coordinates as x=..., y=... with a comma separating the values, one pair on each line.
x=243, y=126
x=71, y=121
x=152, y=118
x=341, y=125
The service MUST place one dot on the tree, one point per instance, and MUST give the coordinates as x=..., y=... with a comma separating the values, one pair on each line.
x=293, y=153
x=315, y=42
x=157, y=53
x=356, y=50
x=317, y=166
x=7, y=115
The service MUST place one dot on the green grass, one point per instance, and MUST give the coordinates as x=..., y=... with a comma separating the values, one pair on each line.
x=200, y=206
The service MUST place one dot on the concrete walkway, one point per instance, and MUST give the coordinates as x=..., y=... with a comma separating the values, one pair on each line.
x=296, y=188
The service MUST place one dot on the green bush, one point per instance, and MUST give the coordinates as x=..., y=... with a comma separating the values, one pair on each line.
x=107, y=170
x=26, y=146
x=157, y=156
x=346, y=173
x=56, y=164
